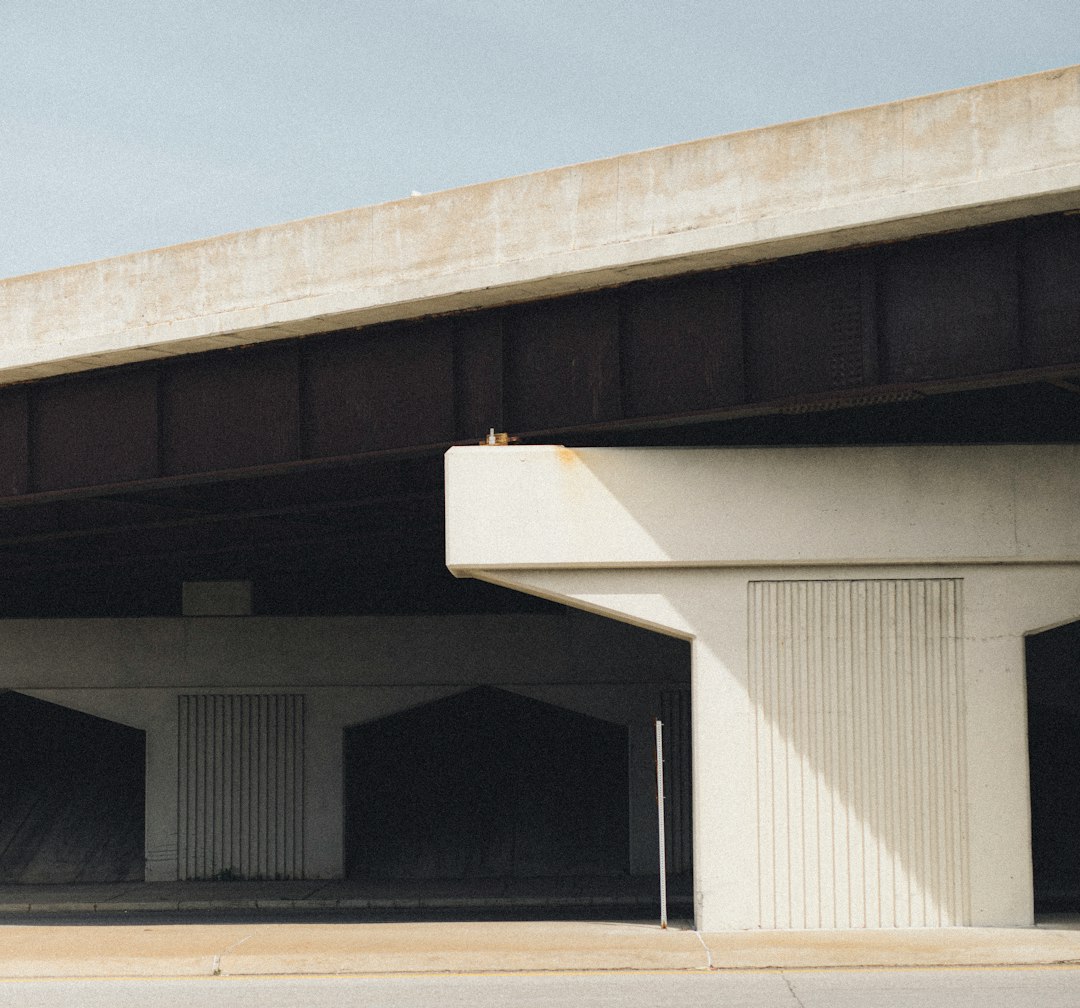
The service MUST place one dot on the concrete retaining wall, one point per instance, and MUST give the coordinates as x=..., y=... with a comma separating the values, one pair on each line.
x=347, y=671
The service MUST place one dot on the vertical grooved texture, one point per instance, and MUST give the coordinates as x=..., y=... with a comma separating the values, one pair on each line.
x=240, y=787
x=678, y=827
x=859, y=748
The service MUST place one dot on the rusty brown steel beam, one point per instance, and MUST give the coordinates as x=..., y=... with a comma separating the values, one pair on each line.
x=989, y=306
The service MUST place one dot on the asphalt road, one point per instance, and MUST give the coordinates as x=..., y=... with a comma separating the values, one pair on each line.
x=1046, y=987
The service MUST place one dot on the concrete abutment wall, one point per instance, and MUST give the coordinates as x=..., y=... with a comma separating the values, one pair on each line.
x=244, y=718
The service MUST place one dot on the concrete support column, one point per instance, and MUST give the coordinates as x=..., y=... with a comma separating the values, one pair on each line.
x=857, y=621
x=161, y=783
x=725, y=814
x=1004, y=604
x=324, y=857
x=154, y=712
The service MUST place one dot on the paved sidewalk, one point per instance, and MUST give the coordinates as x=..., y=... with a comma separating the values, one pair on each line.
x=236, y=949
x=274, y=928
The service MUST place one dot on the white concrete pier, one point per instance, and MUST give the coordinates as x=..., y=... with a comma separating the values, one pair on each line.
x=857, y=619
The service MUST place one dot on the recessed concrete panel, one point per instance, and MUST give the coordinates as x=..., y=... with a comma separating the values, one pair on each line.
x=240, y=786
x=216, y=598
x=1053, y=710
x=71, y=795
x=486, y=784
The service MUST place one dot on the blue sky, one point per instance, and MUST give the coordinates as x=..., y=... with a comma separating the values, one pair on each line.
x=131, y=124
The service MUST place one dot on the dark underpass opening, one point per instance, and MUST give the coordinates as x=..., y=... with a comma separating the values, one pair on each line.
x=1053, y=695
x=486, y=784
x=72, y=792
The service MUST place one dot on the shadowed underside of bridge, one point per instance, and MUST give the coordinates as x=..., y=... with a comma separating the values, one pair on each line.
x=486, y=784
x=71, y=798
x=313, y=466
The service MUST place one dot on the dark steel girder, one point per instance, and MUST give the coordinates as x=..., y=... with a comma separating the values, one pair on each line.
x=313, y=466
x=990, y=306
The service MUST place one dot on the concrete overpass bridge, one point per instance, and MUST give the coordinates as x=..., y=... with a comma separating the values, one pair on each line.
x=222, y=503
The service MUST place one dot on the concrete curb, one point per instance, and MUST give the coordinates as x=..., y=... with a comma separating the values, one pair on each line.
x=275, y=949
x=916, y=947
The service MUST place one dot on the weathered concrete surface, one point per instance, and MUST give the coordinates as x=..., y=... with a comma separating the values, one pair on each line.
x=962, y=158
x=344, y=651
x=527, y=946
x=654, y=507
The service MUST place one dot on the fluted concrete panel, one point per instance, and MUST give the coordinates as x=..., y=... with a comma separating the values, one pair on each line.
x=678, y=825
x=240, y=786
x=858, y=691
